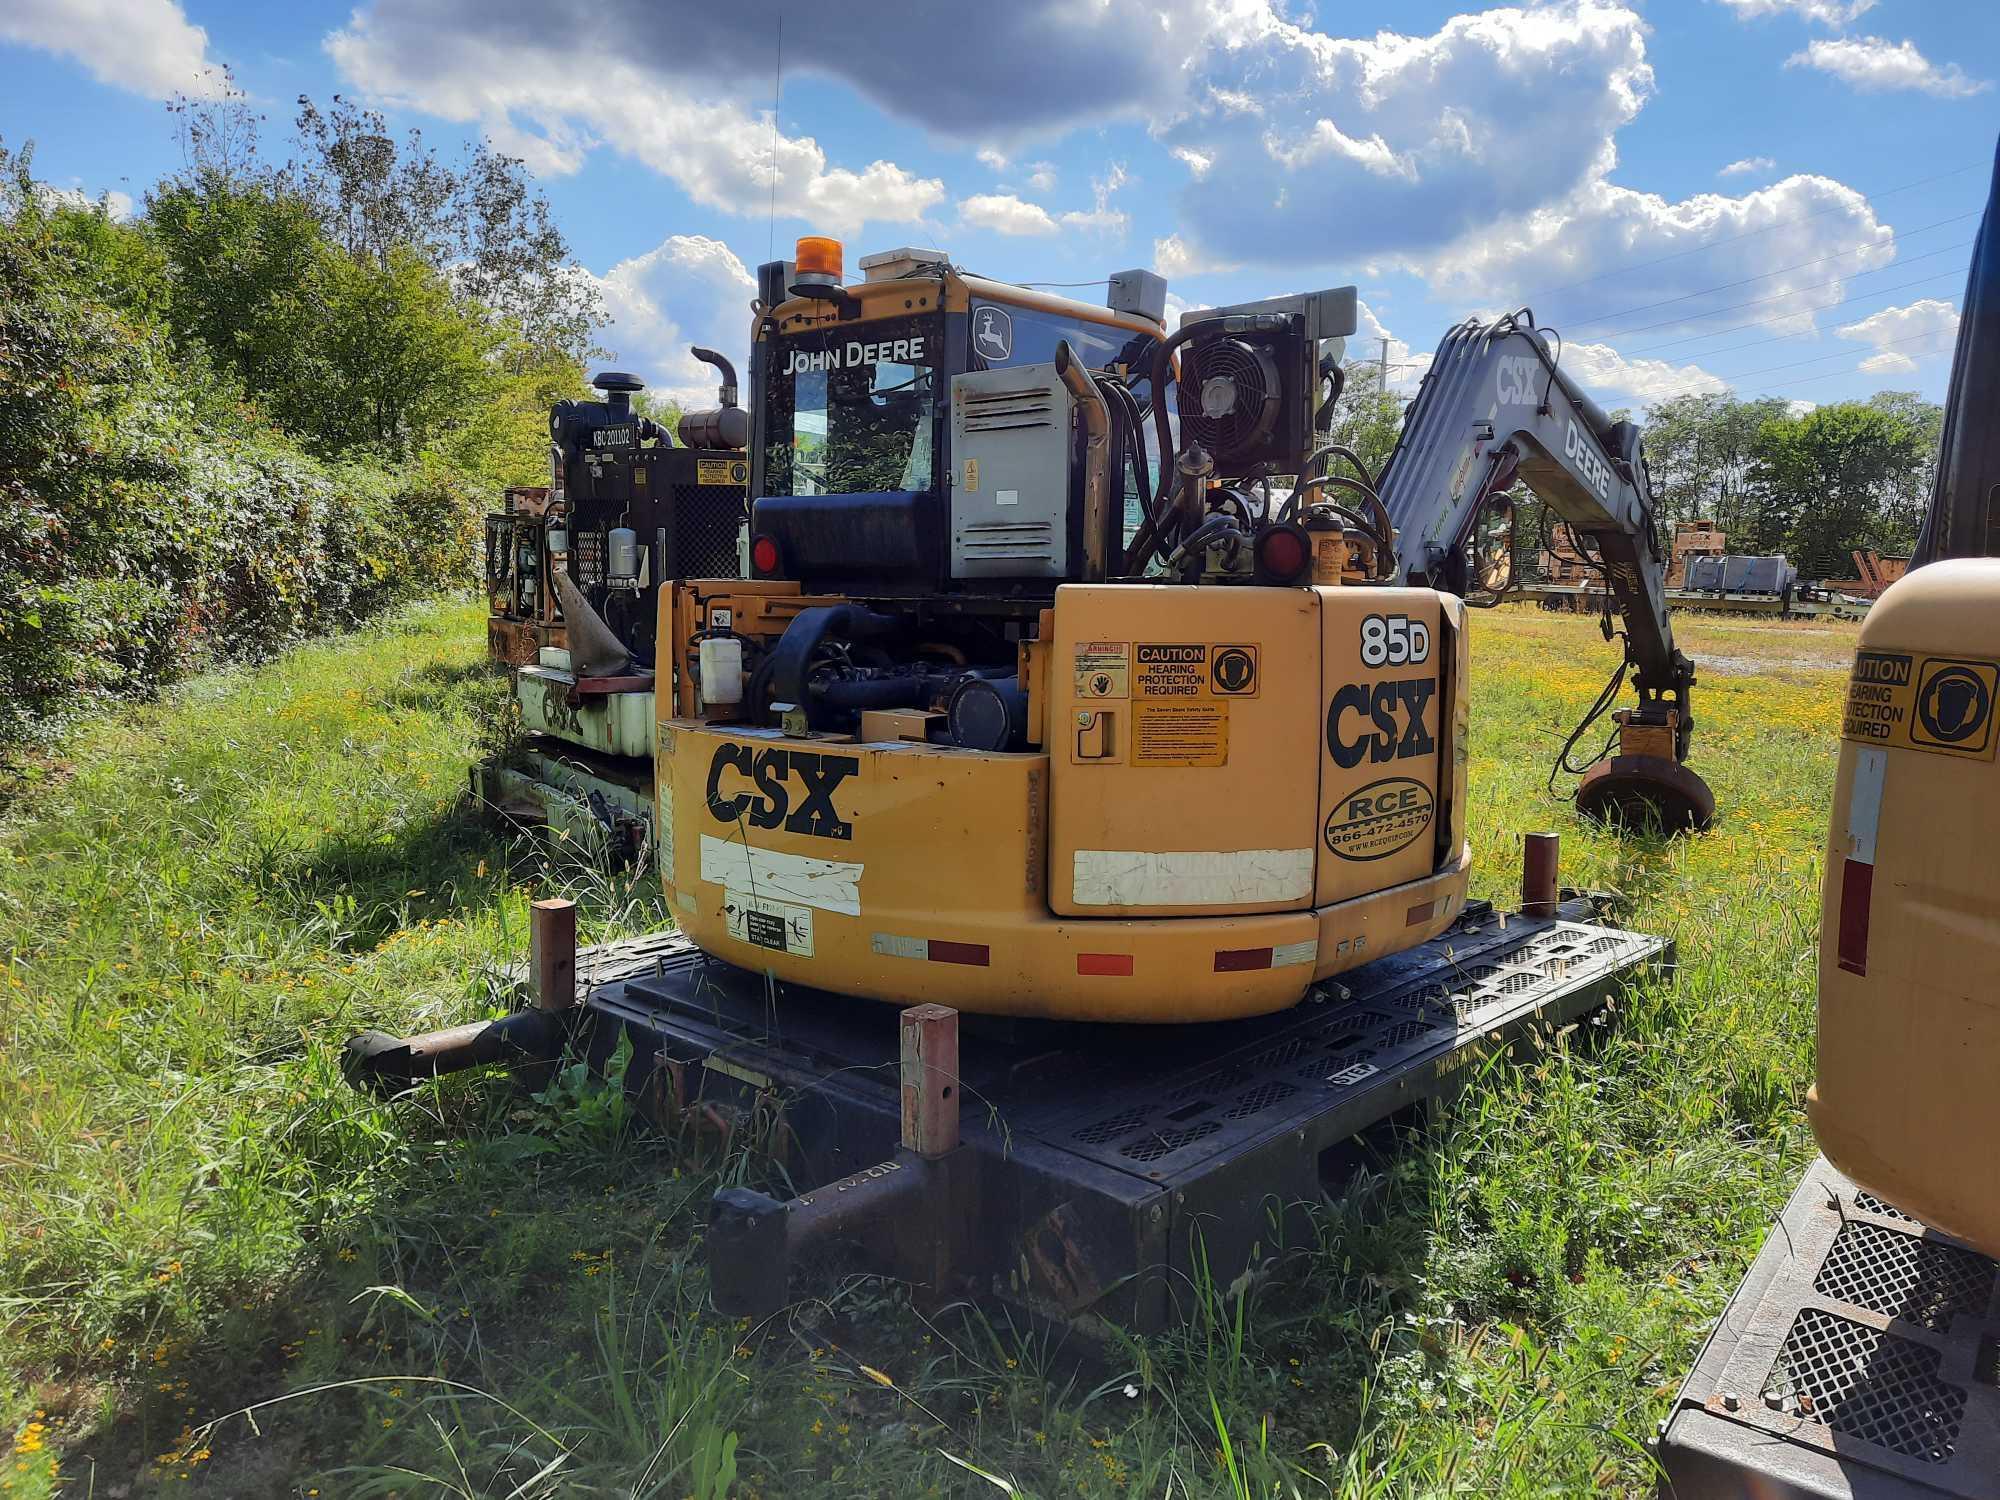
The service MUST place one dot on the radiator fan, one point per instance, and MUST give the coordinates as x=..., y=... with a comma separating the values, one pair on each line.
x=1232, y=402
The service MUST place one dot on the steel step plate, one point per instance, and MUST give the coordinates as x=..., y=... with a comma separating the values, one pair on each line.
x=1860, y=1357
x=1109, y=1160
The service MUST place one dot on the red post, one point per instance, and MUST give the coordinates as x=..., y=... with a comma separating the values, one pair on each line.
x=1540, y=856
x=930, y=1079
x=552, y=954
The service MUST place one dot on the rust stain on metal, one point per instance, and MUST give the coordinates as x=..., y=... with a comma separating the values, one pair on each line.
x=1060, y=1263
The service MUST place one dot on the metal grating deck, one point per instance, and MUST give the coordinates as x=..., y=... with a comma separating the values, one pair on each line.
x=1858, y=1358
x=1353, y=1036
x=1856, y=1381
x=1898, y=1275
x=1114, y=1160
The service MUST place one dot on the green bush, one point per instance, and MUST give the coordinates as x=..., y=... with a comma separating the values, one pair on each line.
x=151, y=521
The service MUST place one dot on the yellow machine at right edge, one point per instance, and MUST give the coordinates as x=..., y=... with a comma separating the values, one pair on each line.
x=1860, y=1354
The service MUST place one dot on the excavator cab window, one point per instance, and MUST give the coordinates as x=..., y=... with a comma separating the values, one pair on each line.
x=853, y=410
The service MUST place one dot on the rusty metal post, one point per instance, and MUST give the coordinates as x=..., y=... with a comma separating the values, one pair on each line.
x=1541, y=854
x=552, y=954
x=930, y=1080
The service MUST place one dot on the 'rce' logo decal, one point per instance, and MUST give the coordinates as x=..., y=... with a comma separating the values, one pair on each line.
x=771, y=772
x=1396, y=711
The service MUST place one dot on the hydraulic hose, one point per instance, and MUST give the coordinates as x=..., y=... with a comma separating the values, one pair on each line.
x=782, y=675
x=1341, y=450
x=1154, y=528
x=1126, y=406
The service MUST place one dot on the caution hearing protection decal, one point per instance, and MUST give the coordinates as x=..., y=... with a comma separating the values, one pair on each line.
x=1180, y=713
x=1908, y=701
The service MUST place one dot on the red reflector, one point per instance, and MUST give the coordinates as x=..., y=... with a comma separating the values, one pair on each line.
x=1104, y=963
x=1857, y=888
x=976, y=954
x=1281, y=554
x=764, y=554
x=1231, y=960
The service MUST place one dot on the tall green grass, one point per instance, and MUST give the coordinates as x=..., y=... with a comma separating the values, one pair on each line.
x=223, y=1273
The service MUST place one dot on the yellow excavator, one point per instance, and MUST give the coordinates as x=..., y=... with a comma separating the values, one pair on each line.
x=1075, y=679
x=1861, y=1354
x=1076, y=676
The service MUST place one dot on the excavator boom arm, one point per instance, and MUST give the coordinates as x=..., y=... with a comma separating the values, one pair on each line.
x=1495, y=408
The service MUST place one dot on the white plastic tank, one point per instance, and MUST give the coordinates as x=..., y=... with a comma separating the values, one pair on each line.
x=721, y=658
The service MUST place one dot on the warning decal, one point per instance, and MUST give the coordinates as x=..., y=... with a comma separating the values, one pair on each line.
x=1180, y=734
x=781, y=926
x=1102, y=669
x=1195, y=670
x=1171, y=671
x=1232, y=670
x=721, y=471
x=1940, y=704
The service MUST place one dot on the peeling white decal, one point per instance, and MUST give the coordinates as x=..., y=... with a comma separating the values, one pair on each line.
x=1200, y=877
x=830, y=884
x=1864, y=804
x=663, y=821
x=1284, y=954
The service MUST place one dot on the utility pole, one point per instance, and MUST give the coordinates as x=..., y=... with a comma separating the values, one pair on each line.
x=1385, y=365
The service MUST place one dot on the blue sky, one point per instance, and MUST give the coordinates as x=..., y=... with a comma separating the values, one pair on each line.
x=1771, y=196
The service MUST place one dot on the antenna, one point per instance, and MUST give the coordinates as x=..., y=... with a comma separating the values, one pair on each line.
x=777, y=93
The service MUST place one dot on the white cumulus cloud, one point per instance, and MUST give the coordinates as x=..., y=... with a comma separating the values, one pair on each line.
x=1003, y=213
x=1173, y=257
x=148, y=47
x=1394, y=143
x=1613, y=379
x=1826, y=12
x=1874, y=65
x=1560, y=258
x=553, y=104
x=116, y=204
x=1888, y=362
x=1902, y=335
x=1745, y=165
x=1102, y=217
x=1375, y=344
x=688, y=289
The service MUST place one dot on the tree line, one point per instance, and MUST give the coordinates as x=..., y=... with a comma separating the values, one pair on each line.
x=279, y=396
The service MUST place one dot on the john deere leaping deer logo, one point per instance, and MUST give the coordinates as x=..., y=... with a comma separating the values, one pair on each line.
x=992, y=333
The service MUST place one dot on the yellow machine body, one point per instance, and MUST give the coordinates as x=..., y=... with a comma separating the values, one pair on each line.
x=1907, y=1100
x=1233, y=792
